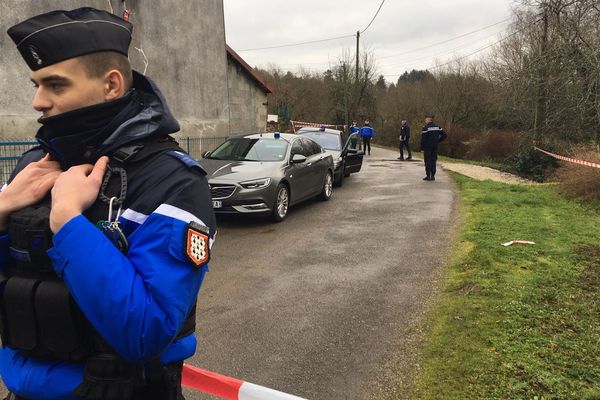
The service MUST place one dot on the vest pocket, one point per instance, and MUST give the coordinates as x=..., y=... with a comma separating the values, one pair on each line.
x=40, y=319
x=60, y=329
x=20, y=313
x=3, y=322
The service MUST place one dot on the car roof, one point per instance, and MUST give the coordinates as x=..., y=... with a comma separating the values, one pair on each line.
x=269, y=135
x=326, y=130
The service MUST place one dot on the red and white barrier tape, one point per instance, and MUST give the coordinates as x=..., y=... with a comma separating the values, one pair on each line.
x=229, y=388
x=581, y=162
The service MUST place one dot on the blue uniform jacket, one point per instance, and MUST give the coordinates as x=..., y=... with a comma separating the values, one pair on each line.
x=367, y=131
x=139, y=302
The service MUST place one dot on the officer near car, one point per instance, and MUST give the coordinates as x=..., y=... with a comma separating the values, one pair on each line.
x=431, y=136
x=106, y=226
x=404, y=140
x=367, y=133
x=354, y=139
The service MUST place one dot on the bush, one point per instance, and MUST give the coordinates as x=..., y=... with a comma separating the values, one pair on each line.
x=533, y=164
x=458, y=141
x=495, y=145
x=578, y=181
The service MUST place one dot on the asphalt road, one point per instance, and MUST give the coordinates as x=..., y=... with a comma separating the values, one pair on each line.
x=329, y=304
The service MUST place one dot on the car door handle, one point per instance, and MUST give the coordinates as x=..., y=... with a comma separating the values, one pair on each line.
x=309, y=164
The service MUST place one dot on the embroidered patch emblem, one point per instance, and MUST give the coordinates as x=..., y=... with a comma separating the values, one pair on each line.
x=197, y=244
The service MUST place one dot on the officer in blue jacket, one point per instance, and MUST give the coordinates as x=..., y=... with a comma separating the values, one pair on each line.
x=354, y=139
x=431, y=136
x=105, y=227
x=367, y=133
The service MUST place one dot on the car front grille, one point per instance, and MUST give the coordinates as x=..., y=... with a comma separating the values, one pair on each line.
x=219, y=192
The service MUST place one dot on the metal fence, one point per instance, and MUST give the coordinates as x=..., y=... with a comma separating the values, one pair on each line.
x=11, y=150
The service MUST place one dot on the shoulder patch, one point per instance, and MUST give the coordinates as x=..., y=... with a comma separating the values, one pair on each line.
x=197, y=244
x=187, y=160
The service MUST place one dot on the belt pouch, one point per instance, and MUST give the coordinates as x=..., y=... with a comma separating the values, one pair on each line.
x=3, y=323
x=56, y=319
x=20, y=315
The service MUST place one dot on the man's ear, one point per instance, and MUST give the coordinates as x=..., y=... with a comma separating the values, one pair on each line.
x=114, y=85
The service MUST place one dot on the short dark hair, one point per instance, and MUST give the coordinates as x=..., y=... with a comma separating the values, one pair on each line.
x=99, y=63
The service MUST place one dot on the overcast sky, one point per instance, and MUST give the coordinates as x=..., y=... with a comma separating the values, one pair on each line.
x=403, y=36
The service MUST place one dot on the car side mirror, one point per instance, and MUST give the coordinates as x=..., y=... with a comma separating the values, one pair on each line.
x=298, y=158
x=206, y=154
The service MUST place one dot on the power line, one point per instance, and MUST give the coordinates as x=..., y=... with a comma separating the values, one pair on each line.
x=484, y=48
x=296, y=44
x=453, y=49
x=445, y=41
x=375, y=16
x=462, y=57
x=470, y=54
x=314, y=41
x=296, y=65
x=474, y=52
x=299, y=66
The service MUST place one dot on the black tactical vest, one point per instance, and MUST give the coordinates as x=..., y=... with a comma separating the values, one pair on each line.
x=38, y=316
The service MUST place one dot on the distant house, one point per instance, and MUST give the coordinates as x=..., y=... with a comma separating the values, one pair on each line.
x=247, y=96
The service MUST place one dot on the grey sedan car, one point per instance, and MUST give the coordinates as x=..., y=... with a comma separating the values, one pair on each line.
x=266, y=173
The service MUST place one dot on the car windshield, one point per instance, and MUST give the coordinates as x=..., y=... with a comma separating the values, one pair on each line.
x=329, y=141
x=246, y=149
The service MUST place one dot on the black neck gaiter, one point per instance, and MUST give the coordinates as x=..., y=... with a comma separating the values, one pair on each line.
x=76, y=137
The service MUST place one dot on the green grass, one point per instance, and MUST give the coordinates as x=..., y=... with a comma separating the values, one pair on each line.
x=517, y=322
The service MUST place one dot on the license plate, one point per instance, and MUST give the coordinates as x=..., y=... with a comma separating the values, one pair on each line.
x=217, y=204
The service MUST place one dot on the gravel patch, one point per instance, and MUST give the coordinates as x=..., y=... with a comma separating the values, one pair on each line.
x=482, y=173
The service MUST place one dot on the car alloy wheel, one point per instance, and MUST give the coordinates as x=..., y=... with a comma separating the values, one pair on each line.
x=282, y=203
x=327, y=187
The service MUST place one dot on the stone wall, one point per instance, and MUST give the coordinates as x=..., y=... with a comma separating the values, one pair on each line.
x=184, y=42
x=247, y=101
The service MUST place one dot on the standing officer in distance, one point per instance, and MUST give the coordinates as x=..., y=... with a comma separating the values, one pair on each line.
x=354, y=140
x=98, y=303
x=367, y=133
x=431, y=136
x=404, y=140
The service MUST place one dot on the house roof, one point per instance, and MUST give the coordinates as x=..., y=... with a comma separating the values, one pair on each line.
x=251, y=71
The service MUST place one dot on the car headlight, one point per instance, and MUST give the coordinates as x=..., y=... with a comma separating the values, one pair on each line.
x=256, y=183
x=337, y=162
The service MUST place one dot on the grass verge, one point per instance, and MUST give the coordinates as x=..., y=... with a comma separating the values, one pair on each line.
x=517, y=322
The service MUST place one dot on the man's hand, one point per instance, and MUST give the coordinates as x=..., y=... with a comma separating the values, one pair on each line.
x=75, y=191
x=28, y=187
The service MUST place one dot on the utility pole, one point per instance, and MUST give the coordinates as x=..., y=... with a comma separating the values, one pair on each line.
x=345, y=83
x=355, y=91
x=357, y=54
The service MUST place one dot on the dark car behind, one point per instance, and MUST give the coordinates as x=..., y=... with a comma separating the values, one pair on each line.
x=346, y=160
